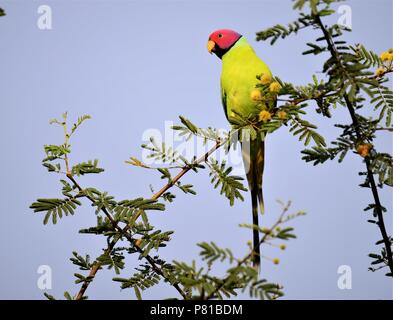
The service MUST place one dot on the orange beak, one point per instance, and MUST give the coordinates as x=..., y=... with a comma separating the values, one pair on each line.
x=210, y=46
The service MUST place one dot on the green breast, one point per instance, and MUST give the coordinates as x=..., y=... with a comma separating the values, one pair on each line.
x=240, y=66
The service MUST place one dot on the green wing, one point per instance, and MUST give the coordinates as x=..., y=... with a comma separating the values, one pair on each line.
x=224, y=102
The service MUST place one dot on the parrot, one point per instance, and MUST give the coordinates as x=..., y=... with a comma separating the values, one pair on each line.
x=240, y=68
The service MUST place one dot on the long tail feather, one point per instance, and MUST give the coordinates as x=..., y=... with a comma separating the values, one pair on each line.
x=254, y=158
x=256, y=257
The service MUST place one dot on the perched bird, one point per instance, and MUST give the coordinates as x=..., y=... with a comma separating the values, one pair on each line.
x=240, y=68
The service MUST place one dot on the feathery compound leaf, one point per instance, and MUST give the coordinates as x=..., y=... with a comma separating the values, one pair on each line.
x=55, y=207
x=161, y=153
x=316, y=155
x=156, y=240
x=55, y=152
x=186, y=188
x=230, y=185
x=210, y=252
x=189, y=130
x=83, y=262
x=114, y=260
x=104, y=226
x=143, y=204
x=100, y=200
x=67, y=188
x=285, y=234
x=130, y=209
x=280, y=31
x=136, y=162
x=314, y=49
x=86, y=168
x=142, y=280
x=79, y=122
x=319, y=154
x=305, y=131
x=382, y=165
x=368, y=58
x=383, y=100
x=82, y=279
x=264, y=290
x=52, y=167
x=193, y=128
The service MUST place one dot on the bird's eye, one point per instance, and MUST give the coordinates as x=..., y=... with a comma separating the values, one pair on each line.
x=220, y=35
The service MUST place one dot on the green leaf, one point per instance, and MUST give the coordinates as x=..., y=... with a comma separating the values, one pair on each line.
x=231, y=186
x=49, y=297
x=137, y=293
x=366, y=57
x=68, y=296
x=79, y=122
x=279, y=31
x=306, y=132
x=56, y=152
x=86, y=168
x=55, y=207
x=189, y=124
x=83, y=262
x=210, y=253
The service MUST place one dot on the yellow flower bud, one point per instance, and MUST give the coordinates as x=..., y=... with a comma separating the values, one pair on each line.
x=138, y=242
x=282, y=115
x=276, y=261
x=256, y=95
x=364, y=149
x=380, y=72
x=384, y=56
x=274, y=87
x=283, y=246
x=264, y=116
x=390, y=57
x=266, y=78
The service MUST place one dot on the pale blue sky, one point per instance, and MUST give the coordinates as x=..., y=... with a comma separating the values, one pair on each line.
x=133, y=65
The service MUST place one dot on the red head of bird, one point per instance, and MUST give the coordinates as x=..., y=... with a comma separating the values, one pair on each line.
x=221, y=41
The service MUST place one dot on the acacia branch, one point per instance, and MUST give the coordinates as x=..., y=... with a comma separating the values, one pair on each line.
x=248, y=257
x=123, y=231
x=378, y=206
x=115, y=225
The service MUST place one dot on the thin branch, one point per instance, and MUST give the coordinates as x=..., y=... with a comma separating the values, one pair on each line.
x=251, y=253
x=66, y=142
x=202, y=159
x=111, y=246
x=322, y=95
x=96, y=266
x=159, y=271
x=384, y=129
x=378, y=208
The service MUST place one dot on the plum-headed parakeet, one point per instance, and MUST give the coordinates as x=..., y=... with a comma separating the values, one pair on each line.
x=240, y=68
